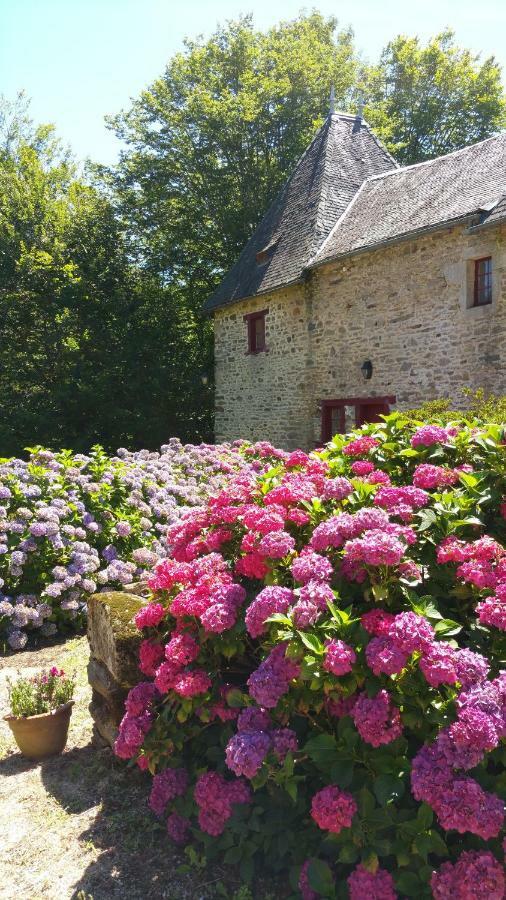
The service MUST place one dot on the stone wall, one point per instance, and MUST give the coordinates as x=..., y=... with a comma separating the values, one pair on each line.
x=404, y=307
x=112, y=670
x=265, y=396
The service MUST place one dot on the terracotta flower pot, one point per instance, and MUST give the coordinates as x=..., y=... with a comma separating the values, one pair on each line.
x=44, y=735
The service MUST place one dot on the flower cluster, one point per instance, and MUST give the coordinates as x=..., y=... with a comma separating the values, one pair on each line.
x=74, y=524
x=324, y=638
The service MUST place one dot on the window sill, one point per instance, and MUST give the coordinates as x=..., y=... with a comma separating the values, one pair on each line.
x=256, y=352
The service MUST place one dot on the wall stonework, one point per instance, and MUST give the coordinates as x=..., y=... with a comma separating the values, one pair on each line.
x=404, y=307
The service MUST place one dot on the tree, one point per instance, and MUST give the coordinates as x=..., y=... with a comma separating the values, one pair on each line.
x=424, y=101
x=89, y=349
x=213, y=139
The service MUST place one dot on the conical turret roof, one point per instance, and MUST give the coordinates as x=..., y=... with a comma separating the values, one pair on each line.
x=341, y=157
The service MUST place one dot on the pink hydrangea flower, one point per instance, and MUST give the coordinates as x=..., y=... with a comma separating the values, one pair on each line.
x=366, y=885
x=384, y=657
x=411, y=632
x=276, y=544
x=264, y=520
x=401, y=501
x=465, y=806
x=429, y=477
x=438, y=664
x=376, y=719
x=140, y=698
x=377, y=621
x=362, y=467
x=361, y=446
x=150, y=657
x=271, y=599
x=333, y=809
x=246, y=752
x=178, y=829
x=253, y=718
x=305, y=888
x=181, y=650
x=375, y=548
x=336, y=488
x=149, y=616
x=310, y=566
x=339, y=657
x=271, y=680
x=453, y=550
x=214, y=796
x=492, y=612
x=284, y=740
x=428, y=435
x=191, y=684
x=477, y=875
x=166, y=786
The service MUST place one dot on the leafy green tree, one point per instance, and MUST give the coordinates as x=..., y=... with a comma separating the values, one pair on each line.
x=90, y=349
x=424, y=101
x=211, y=141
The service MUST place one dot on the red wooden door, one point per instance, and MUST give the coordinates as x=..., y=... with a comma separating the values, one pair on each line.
x=371, y=412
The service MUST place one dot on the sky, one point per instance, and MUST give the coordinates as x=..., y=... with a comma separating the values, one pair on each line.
x=80, y=60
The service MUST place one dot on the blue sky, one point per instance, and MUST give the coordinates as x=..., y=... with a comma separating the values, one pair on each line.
x=81, y=59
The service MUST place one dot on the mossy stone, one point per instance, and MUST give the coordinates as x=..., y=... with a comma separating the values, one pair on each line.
x=113, y=637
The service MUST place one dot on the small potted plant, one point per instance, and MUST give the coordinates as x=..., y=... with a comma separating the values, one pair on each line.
x=41, y=707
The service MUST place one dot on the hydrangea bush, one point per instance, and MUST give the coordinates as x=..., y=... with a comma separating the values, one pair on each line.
x=71, y=524
x=322, y=691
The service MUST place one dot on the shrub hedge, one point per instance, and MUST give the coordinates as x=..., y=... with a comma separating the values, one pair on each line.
x=322, y=654
x=71, y=524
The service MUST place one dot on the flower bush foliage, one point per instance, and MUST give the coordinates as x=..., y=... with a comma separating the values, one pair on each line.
x=322, y=657
x=72, y=524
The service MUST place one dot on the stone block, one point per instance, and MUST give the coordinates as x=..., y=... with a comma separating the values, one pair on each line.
x=112, y=635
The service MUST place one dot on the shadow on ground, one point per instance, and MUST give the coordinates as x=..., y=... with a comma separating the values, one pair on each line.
x=136, y=857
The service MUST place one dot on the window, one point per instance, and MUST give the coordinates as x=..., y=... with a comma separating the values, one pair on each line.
x=256, y=331
x=482, y=281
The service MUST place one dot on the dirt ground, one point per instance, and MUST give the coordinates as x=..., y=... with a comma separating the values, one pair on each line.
x=77, y=825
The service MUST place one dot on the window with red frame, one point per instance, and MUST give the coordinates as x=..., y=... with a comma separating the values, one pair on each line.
x=256, y=331
x=482, y=281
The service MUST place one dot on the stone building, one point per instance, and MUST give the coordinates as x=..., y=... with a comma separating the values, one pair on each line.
x=366, y=287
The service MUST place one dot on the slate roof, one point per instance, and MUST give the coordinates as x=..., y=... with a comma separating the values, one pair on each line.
x=342, y=155
x=423, y=196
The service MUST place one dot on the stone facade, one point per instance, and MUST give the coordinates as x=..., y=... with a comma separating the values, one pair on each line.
x=405, y=307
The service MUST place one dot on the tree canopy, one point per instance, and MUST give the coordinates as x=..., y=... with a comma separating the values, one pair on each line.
x=103, y=273
x=424, y=101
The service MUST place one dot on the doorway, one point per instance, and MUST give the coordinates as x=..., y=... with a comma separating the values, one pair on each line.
x=336, y=414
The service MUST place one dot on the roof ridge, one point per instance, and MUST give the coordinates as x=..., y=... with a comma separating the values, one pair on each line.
x=428, y=162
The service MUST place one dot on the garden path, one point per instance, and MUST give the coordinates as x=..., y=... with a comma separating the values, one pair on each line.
x=76, y=827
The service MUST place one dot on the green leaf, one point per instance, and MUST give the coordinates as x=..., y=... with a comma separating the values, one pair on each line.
x=366, y=802
x=235, y=698
x=424, y=816
x=233, y=855
x=408, y=884
x=447, y=627
x=437, y=844
x=342, y=773
x=247, y=869
x=312, y=642
x=322, y=750
x=320, y=878
x=387, y=788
